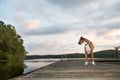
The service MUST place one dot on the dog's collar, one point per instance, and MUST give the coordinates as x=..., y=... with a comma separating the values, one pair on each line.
x=87, y=43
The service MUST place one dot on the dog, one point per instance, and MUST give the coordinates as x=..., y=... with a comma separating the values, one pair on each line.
x=89, y=47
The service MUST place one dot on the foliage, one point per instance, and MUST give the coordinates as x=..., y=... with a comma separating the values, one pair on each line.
x=10, y=69
x=106, y=54
x=11, y=43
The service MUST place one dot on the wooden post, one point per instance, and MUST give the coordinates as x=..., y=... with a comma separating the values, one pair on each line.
x=65, y=56
x=117, y=52
x=61, y=57
x=117, y=55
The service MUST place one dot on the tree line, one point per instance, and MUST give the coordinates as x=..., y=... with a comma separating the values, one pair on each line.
x=98, y=54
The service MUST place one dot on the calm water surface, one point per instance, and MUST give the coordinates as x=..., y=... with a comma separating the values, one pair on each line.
x=37, y=63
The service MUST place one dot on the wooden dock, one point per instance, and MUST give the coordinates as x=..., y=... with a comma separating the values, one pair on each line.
x=76, y=70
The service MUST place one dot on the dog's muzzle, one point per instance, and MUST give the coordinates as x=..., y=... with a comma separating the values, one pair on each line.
x=79, y=43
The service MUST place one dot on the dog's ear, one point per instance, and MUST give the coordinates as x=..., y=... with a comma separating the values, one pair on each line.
x=81, y=37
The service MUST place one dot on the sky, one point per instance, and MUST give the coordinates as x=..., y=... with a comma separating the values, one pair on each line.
x=55, y=26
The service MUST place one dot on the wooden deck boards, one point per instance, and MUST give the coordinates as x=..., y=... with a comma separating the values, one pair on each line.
x=75, y=70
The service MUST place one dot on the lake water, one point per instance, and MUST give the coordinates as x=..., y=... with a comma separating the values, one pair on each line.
x=10, y=69
x=37, y=63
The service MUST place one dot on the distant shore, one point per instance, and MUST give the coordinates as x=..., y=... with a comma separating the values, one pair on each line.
x=99, y=54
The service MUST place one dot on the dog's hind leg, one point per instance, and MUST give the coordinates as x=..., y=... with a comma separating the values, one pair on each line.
x=92, y=57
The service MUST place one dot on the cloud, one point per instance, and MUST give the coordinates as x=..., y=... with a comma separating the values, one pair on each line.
x=49, y=30
x=19, y=19
x=62, y=20
x=111, y=21
x=46, y=31
x=100, y=28
x=32, y=24
x=25, y=24
x=70, y=3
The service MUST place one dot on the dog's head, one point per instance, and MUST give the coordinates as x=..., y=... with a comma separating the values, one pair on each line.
x=81, y=40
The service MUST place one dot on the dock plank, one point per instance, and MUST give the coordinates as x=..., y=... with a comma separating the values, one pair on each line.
x=75, y=70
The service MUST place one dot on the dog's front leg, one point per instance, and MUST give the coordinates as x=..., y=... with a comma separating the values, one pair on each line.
x=86, y=57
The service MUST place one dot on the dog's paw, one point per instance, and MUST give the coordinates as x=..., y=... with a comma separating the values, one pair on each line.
x=86, y=63
x=93, y=63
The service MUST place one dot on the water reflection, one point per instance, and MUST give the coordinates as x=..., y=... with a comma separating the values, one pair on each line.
x=10, y=69
x=35, y=64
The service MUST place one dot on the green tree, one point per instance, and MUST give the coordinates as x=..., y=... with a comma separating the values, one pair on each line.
x=11, y=43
